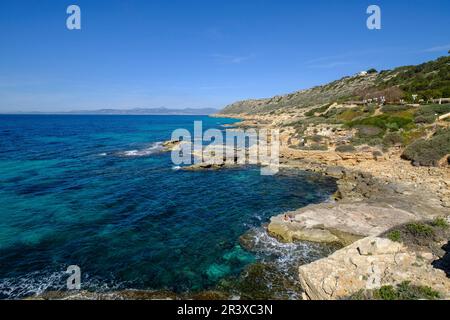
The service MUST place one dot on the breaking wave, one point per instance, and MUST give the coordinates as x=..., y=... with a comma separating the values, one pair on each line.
x=152, y=149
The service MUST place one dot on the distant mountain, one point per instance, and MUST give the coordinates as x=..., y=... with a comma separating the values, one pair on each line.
x=137, y=111
x=150, y=111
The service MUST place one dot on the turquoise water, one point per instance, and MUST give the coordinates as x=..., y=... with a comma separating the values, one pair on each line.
x=97, y=192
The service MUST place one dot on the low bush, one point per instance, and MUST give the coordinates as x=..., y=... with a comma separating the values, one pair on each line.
x=315, y=147
x=394, y=108
x=395, y=236
x=425, y=119
x=440, y=223
x=316, y=138
x=350, y=114
x=345, y=148
x=413, y=135
x=433, y=110
x=331, y=113
x=369, y=109
x=377, y=154
x=384, y=122
x=403, y=291
x=429, y=152
x=368, y=131
x=392, y=139
x=420, y=230
x=321, y=109
x=371, y=141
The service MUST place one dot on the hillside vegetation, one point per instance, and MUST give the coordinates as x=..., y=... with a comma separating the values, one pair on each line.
x=348, y=115
x=429, y=80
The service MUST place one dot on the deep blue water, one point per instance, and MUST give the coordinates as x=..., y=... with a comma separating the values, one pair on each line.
x=94, y=191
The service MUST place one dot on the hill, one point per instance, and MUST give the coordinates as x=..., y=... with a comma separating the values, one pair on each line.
x=430, y=80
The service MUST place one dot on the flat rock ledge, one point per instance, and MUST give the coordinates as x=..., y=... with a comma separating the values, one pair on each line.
x=337, y=222
x=369, y=264
x=171, y=145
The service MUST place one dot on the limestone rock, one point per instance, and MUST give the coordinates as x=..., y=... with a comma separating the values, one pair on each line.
x=291, y=231
x=337, y=222
x=335, y=172
x=369, y=264
x=171, y=145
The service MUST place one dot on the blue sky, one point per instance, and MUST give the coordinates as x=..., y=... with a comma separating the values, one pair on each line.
x=201, y=53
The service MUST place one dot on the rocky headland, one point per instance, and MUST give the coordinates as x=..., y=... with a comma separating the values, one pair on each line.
x=391, y=213
x=378, y=191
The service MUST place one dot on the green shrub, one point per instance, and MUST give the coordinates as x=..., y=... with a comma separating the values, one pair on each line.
x=430, y=113
x=369, y=109
x=315, y=147
x=392, y=139
x=395, y=236
x=413, y=135
x=405, y=291
x=429, y=152
x=420, y=230
x=371, y=141
x=433, y=109
x=425, y=119
x=345, y=148
x=316, y=138
x=331, y=113
x=350, y=114
x=428, y=80
x=321, y=109
x=369, y=135
x=375, y=142
x=384, y=122
x=394, y=108
x=386, y=293
x=368, y=131
x=377, y=153
x=440, y=223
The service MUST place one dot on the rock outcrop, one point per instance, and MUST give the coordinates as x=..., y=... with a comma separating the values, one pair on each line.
x=368, y=264
x=340, y=222
x=171, y=145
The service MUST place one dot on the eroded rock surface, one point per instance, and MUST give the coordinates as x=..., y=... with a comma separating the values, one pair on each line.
x=368, y=264
x=340, y=222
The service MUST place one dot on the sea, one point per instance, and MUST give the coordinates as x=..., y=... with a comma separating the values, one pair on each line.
x=100, y=193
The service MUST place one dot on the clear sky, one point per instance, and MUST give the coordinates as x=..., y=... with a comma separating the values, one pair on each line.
x=201, y=53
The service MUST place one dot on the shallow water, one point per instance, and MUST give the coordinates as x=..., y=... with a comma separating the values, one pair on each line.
x=97, y=192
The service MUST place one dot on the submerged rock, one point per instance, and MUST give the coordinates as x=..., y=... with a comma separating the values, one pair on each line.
x=263, y=281
x=205, y=166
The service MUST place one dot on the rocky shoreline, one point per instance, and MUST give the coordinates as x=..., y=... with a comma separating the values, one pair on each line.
x=376, y=193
